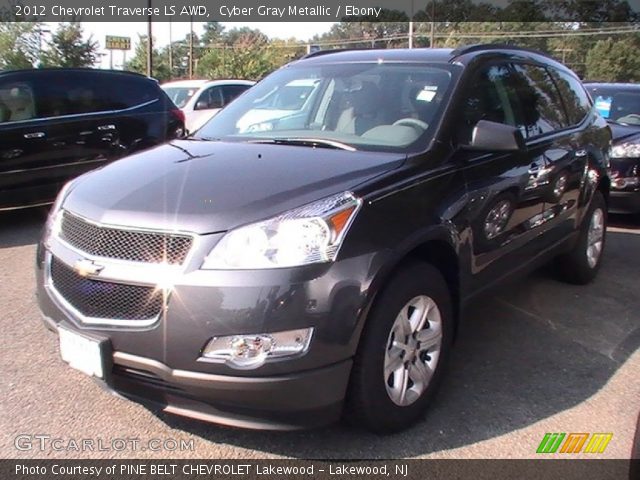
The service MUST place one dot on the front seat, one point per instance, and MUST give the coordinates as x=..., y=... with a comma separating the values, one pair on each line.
x=364, y=111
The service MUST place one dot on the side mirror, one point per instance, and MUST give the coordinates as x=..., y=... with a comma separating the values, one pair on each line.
x=496, y=136
x=201, y=105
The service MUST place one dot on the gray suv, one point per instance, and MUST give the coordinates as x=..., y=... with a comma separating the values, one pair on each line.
x=279, y=271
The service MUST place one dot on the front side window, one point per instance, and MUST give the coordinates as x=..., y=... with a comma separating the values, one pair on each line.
x=492, y=98
x=368, y=106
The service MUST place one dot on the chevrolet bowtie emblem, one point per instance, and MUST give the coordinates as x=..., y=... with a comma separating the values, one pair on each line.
x=86, y=267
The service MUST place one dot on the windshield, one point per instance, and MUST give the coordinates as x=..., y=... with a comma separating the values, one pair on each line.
x=180, y=95
x=363, y=106
x=620, y=105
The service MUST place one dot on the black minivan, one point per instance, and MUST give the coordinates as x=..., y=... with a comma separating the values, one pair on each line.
x=58, y=123
x=279, y=271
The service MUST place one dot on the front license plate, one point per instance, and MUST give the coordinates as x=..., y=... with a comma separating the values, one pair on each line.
x=81, y=352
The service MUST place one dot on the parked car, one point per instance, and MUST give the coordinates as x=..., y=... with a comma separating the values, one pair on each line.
x=282, y=101
x=200, y=100
x=619, y=103
x=56, y=124
x=318, y=267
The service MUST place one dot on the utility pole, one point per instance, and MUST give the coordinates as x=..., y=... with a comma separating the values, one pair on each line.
x=170, y=52
x=411, y=27
x=191, y=49
x=432, y=40
x=410, y=34
x=149, y=43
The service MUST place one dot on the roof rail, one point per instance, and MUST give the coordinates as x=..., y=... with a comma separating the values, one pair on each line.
x=75, y=69
x=319, y=53
x=477, y=47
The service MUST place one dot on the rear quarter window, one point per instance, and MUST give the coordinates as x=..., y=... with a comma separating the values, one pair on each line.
x=574, y=96
x=130, y=92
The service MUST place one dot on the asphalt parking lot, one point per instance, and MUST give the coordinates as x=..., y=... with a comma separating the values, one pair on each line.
x=537, y=356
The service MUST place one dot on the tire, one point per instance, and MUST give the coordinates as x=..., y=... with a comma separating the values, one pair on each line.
x=369, y=403
x=579, y=266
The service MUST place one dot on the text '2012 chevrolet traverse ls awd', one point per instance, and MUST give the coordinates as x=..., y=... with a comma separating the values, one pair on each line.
x=281, y=273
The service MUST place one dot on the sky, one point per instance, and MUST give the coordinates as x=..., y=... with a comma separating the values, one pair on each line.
x=299, y=30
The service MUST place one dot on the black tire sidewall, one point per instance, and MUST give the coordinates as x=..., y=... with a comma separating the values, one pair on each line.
x=368, y=399
x=574, y=266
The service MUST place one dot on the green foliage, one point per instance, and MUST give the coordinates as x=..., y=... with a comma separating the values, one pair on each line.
x=19, y=45
x=244, y=59
x=138, y=62
x=613, y=61
x=68, y=48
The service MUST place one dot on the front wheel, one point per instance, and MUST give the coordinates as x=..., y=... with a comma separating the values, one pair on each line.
x=580, y=266
x=402, y=352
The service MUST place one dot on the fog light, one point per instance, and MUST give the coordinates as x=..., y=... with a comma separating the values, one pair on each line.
x=252, y=351
x=624, y=182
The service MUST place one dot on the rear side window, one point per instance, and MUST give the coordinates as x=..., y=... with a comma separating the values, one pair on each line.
x=574, y=96
x=130, y=91
x=65, y=93
x=229, y=92
x=542, y=107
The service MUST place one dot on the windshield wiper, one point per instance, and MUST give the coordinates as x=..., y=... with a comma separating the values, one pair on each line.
x=307, y=142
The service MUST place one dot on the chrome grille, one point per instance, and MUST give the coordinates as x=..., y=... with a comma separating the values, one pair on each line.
x=105, y=300
x=136, y=246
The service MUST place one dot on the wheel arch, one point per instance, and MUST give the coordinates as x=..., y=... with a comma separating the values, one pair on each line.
x=436, y=248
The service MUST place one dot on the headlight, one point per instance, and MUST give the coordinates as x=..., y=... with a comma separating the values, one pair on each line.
x=626, y=150
x=309, y=234
x=52, y=219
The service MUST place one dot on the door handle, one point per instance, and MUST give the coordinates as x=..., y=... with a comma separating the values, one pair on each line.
x=581, y=153
x=34, y=135
x=107, y=127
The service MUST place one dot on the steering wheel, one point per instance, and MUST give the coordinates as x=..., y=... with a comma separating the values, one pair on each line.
x=413, y=122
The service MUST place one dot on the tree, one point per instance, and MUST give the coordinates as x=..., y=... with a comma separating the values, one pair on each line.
x=213, y=32
x=138, y=62
x=613, y=61
x=245, y=54
x=69, y=49
x=19, y=45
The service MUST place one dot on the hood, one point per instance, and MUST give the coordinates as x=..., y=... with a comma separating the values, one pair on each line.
x=622, y=132
x=207, y=187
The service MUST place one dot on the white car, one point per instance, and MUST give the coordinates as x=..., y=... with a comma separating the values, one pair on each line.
x=202, y=99
x=278, y=103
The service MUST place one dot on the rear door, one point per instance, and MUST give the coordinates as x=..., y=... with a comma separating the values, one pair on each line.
x=502, y=202
x=82, y=130
x=554, y=137
x=22, y=143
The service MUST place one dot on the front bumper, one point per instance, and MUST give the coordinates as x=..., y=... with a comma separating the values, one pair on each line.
x=160, y=364
x=624, y=202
